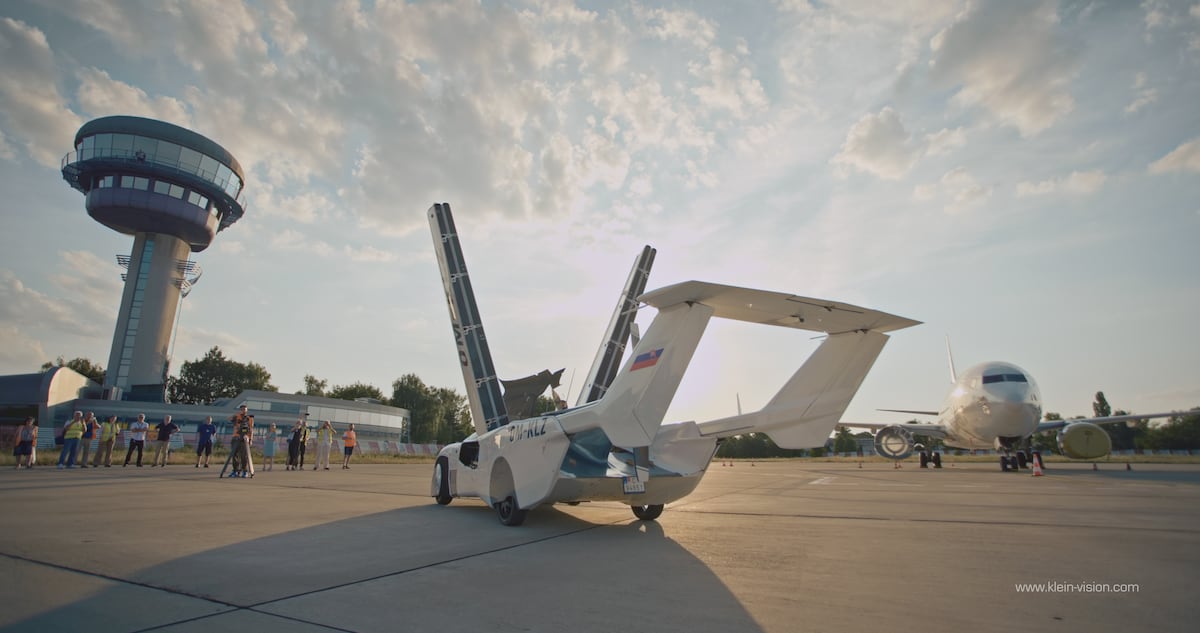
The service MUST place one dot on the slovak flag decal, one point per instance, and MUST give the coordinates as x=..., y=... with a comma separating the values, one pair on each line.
x=649, y=359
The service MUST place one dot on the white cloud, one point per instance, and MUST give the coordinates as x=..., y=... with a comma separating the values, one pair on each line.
x=101, y=95
x=32, y=112
x=22, y=306
x=1076, y=183
x=1186, y=157
x=230, y=247
x=370, y=254
x=20, y=353
x=731, y=86
x=682, y=25
x=878, y=144
x=1143, y=95
x=92, y=283
x=957, y=189
x=1155, y=15
x=945, y=141
x=1010, y=59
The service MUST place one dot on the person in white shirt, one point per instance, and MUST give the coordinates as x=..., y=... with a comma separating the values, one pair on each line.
x=137, y=438
x=324, y=442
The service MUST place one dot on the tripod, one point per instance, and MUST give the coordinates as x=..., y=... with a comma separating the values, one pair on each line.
x=239, y=446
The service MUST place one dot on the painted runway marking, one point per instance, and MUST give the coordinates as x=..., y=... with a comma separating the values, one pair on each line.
x=824, y=481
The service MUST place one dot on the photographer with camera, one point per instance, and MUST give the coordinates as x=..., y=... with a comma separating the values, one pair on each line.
x=239, y=443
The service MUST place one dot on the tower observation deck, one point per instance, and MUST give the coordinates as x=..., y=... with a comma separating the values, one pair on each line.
x=173, y=190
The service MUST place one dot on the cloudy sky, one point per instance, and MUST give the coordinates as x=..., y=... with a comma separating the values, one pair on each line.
x=1024, y=177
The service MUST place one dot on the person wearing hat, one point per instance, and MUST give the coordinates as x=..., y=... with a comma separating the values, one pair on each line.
x=243, y=432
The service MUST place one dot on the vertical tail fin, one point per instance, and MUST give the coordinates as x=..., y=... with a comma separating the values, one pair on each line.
x=804, y=412
x=479, y=375
x=608, y=357
x=635, y=404
x=950, y=358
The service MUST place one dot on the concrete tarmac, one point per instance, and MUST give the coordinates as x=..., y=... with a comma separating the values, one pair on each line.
x=774, y=546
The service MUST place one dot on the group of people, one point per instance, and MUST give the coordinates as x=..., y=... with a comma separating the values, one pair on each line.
x=82, y=430
x=297, y=445
x=79, y=433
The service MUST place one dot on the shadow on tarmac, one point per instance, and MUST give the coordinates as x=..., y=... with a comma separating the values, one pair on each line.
x=415, y=568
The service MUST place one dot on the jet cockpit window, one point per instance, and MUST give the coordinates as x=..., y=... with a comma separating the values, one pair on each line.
x=1004, y=378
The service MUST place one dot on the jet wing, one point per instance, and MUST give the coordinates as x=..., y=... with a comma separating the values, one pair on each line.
x=922, y=428
x=914, y=412
x=1058, y=424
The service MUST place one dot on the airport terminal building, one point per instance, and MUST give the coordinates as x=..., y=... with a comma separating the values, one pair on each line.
x=54, y=395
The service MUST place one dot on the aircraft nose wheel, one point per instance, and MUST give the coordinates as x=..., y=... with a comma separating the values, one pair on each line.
x=648, y=513
x=509, y=513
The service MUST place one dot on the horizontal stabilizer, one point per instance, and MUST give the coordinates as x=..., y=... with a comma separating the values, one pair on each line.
x=776, y=308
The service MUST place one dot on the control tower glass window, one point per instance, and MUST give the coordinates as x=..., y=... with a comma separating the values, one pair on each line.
x=141, y=148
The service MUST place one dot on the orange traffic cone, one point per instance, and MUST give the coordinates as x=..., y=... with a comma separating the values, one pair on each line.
x=1037, y=466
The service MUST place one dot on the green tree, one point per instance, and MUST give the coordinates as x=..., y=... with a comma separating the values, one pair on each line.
x=844, y=441
x=454, y=416
x=1046, y=441
x=436, y=414
x=1179, y=432
x=1125, y=435
x=1100, y=407
x=356, y=390
x=81, y=365
x=215, y=377
x=313, y=386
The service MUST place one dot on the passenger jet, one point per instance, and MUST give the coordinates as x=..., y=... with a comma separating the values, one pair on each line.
x=995, y=405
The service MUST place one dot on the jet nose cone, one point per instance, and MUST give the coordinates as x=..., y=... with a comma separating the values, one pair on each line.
x=1013, y=417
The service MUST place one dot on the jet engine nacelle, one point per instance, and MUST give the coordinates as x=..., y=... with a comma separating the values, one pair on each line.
x=894, y=442
x=1084, y=440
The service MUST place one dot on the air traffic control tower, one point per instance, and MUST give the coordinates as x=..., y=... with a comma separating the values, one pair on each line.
x=173, y=190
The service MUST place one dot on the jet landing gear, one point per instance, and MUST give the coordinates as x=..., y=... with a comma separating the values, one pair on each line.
x=1017, y=461
x=931, y=457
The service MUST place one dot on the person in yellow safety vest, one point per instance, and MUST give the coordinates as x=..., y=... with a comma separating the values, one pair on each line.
x=71, y=434
x=108, y=439
x=324, y=442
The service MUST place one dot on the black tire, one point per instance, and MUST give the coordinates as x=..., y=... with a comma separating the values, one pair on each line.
x=924, y=459
x=442, y=470
x=1022, y=461
x=648, y=513
x=1004, y=463
x=937, y=460
x=509, y=513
